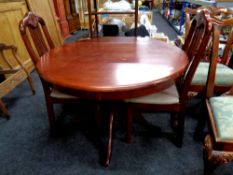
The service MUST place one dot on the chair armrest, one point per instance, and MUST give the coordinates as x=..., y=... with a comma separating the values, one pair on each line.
x=13, y=49
x=8, y=71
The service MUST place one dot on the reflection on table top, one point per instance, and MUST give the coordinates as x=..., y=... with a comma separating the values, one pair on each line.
x=114, y=66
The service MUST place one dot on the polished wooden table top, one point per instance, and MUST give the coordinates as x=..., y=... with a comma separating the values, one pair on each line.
x=113, y=67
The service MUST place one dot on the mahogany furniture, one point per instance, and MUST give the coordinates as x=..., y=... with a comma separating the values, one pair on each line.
x=46, y=10
x=208, y=9
x=38, y=42
x=11, y=75
x=218, y=144
x=111, y=69
x=71, y=15
x=59, y=8
x=224, y=74
x=173, y=99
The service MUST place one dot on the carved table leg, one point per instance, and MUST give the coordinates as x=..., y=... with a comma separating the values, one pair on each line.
x=214, y=158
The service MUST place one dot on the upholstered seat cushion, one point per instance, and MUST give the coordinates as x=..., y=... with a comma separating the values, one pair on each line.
x=224, y=75
x=168, y=96
x=59, y=94
x=222, y=108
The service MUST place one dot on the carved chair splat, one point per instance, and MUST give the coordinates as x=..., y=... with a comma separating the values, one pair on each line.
x=37, y=40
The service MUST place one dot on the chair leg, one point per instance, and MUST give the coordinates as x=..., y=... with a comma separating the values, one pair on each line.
x=129, y=124
x=213, y=158
x=97, y=118
x=180, y=130
x=4, y=109
x=31, y=84
x=199, y=130
x=174, y=121
x=51, y=116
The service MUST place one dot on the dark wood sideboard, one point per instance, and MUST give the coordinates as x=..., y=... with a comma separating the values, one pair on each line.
x=72, y=16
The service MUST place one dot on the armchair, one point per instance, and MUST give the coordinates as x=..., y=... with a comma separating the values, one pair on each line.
x=11, y=73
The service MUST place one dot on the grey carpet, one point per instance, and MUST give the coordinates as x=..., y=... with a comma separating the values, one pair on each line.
x=26, y=148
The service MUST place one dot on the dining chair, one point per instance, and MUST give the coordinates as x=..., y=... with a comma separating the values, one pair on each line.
x=37, y=41
x=218, y=144
x=224, y=74
x=12, y=73
x=173, y=99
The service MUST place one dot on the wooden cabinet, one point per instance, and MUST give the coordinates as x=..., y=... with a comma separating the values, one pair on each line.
x=71, y=15
x=10, y=15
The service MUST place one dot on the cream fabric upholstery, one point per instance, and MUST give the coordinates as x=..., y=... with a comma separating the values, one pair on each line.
x=59, y=94
x=168, y=96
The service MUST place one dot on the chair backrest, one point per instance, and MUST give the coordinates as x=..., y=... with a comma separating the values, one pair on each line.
x=195, y=47
x=213, y=11
x=35, y=36
x=229, y=42
x=218, y=24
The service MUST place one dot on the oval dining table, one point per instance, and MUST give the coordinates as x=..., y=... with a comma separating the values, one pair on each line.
x=109, y=69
